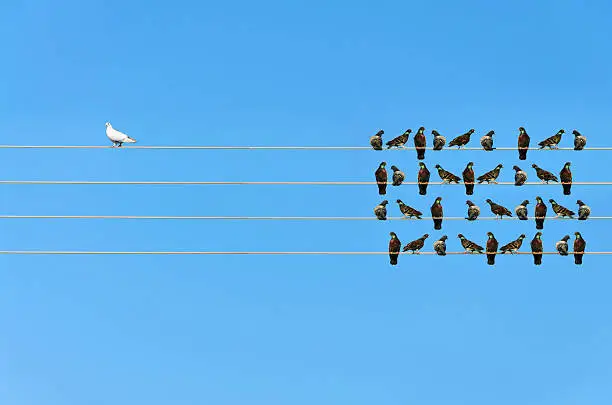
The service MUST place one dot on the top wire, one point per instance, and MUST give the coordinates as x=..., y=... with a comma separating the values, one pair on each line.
x=203, y=147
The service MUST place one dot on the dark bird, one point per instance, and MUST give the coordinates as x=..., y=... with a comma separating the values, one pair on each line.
x=416, y=245
x=447, y=177
x=579, y=246
x=408, y=212
x=440, y=246
x=553, y=141
x=492, y=245
x=398, y=176
x=499, y=210
x=487, y=141
x=394, y=248
x=376, y=140
x=520, y=177
x=461, y=140
x=544, y=175
x=540, y=213
x=420, y=143
x=523, y=143
x=562, y=246
x=560, y=210
x=566, y=178
x=423, y=178
x=513, y=246
x=438, y=140
x=473, y=211
x=399, y=141
x=468, y=245
x=437, y=213
x=381, y=178
x=579, y=140
x=521, y=210
x=537, y=248
x=490, y=176
x=583, y=210
x=468, y=178
x=381, y=210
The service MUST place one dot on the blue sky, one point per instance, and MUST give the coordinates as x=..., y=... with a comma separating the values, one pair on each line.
x=296, y=330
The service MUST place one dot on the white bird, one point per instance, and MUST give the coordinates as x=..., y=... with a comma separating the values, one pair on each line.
x=117, y=137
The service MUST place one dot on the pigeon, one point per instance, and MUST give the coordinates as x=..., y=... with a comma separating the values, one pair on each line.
x=473, y=211
x=408, y=212
x=381, y=178
x=523, y=143
x=560, y=210
x=540, y=213
x=513, y=246
x=437, y=213
x=447, y=177
x=566, y=178
x=521, y=210
x=544, y=175
x=492, y=245
x=562, y=246
x=440, y=246
x=487, y=141
x=468, y=245
x=579, y=140
x=520, y=177
x=468, y=178
x=537, y=248
x=394, y=248
x=490, y=176
x=438, y=140
x=579, y=246
x=499, y=210
x=381, y=210
x=376, y=140
x=399, y=141
x=118, y=138
x=461, y=140
x=423, y=178
x=420, y=142
x=398, y=176
x=583, y=210
x=416, y=245
x=553, y=141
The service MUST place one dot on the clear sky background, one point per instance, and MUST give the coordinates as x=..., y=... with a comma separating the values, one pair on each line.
x=296, y=330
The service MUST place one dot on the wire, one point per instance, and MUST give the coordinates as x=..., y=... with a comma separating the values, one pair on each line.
x=259, y=183
x=68, y=252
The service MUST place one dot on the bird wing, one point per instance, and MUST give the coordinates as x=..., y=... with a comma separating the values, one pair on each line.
x=398, y=140
x=115, y=135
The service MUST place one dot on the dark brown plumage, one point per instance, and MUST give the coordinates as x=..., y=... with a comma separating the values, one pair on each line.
x=490, y=176
x=513, y=246
x=399, y=141
x=499, y=210
x=520, y=177
x=438, y=140
x=461, y=140
x=381, y=178
x=579, y=140
x=566, y=178
x=537, y=248
x=523, y=143
x=468, y=178
x=447, y=177
x=398, y=176
x=376, y=140
x=408, y=211
x=487, y=141
x=416, y=245
x=394, y=248
x=579, y=247
x=540, y=213
x=544, y=175
x=423, y=178
x=492, y=245
x=553, y=141
x=468, y=245
x=437, y=213
x=420, y=143
x=560, y=210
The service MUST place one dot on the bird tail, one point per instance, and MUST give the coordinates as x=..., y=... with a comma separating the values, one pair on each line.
x=581, y=219
x=522, y=154
x=420, y=154
x=537, y=259
x=422, y=189
x=567, y=189
x=469, y=189
x=539, y=223
x=442, y=253
x=129, y=140
x=382, y=188
x=490, y=259
x=393, y=259
x=523, y=218
x=437, y=223
x=578, y=258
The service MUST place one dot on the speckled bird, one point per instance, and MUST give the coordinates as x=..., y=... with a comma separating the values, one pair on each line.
x=473, y=211
x=438, y=140
x=566, y=178
x=461, y=140
x=447, y=177
x=420, y=143
x=498, y=210
x=469, y=246
x=540, y=213
x=381, y=210
x=398, y=176
x=537, y=248
x=579, y=247
x=487, y=141
x=583, y=210
x=520, y=177
x=491, y=248
x=523, y=143
x=408, y=211
x=416, y=245
x=440, y=246
x=376, y=140
x=490, y=176
x=579, y=140
x=544, y=175
x=521, y=210
x=553, y=141
x=395, y=245
x=399, y=141
x=437, y=213
x=513, y=246
x=562, y=246
x=560, y=210
x=381, y=178
x=423, y=178
x=468, y=178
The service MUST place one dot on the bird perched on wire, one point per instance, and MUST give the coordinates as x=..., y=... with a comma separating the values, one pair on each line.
x=468, y=178
x=447, y=177
x=487, y=141
x=399, y=141
x=537, y=248
x=521, y=210
x=423, y=178
x=408, y=211
x=468, y=245
x=490, y=176
x=394, y=248
x=562, y=246
x=438, y=140
x=553, y=141
x=381, y=210
x=513, y=246
x=566, y=178
x=544, y=175
x=461, y=140
x=560, y=210
x=118, y=138
x=381, y=178
x=440, y=246
x=540, y=213
x=398, y=176
x=491, y=248
x=416, y=245
x=473, y=211
x=579, y=140
x=523, y=143
x=420, y=143
x=437, y=213
x=583, y=210
x=376, y=140
x=499, y=210
x=579, y=246
x=520, y=177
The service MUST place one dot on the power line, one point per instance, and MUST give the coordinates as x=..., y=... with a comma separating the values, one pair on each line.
x=259, y=183
x=68, y=252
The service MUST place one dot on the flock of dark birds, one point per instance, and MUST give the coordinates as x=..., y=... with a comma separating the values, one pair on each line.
x=473, y=211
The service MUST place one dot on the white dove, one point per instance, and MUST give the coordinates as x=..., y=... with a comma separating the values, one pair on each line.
x=117, y=137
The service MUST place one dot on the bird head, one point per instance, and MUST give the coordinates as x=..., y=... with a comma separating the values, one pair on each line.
x=539, y=199
x=379, y=133
x=490, y=235
x=553, y=202
x=469, y=203
x=534, y=166
x=384, y=202
x=434, y=132
x=438, y=200
x=499, y=166
x=538, y=235
x=460, y=236
x=393, y=235
x=522, y=236
x=422, y=165
x=565, y=238
x=516, y=168
x=568, y=164
x=421, y=130
x=578, y=236
x=394, y=168
x=443, y=238
x=408, y=131
x=425, y=236
x=399, y=201
x=580, y=202
x=489, y=201
x=490, y=133
x=438, y=167
x=561, y=131
x=108, y=124
x=383, y=164
x=470, y=164
x=521, y=129
x=576, y=133
x=525, y=202
x=471, y=131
